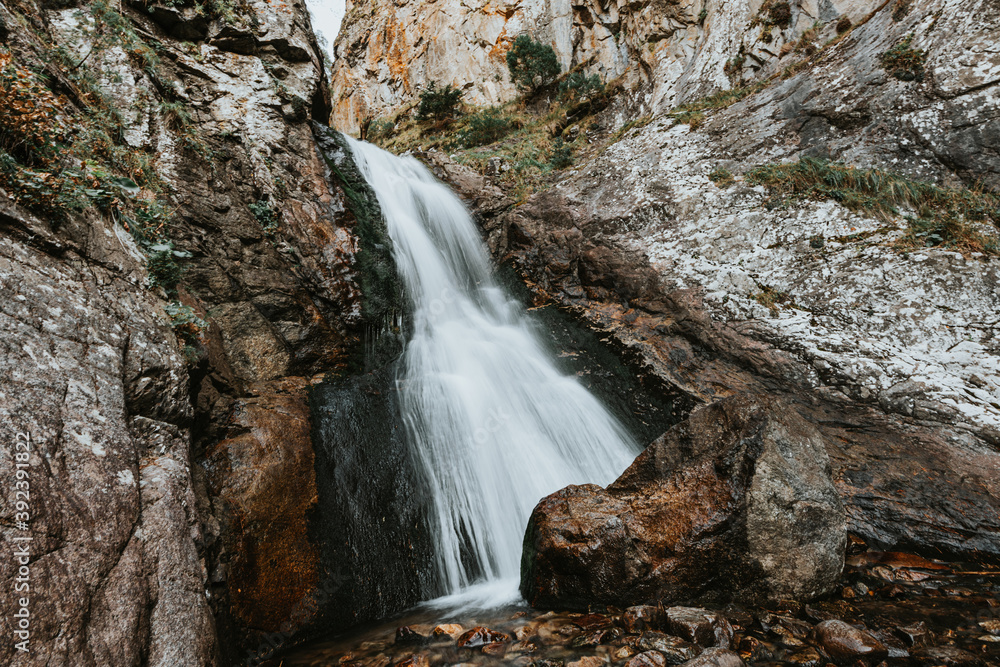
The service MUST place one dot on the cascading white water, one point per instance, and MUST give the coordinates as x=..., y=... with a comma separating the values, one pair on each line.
x=496, y=426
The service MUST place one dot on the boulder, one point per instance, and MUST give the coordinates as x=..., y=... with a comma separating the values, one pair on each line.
x=737, y=500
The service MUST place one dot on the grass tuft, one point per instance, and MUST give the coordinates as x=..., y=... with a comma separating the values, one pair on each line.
x=947, y=217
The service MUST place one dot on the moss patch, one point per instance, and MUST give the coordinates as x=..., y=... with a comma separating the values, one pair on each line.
x=381, y=290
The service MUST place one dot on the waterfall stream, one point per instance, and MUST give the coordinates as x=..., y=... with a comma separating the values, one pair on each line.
x=494, y=424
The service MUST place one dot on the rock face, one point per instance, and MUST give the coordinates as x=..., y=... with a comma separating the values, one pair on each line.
x=664, y=52
x=170, y=492
x=888, y=352
x=737, y=501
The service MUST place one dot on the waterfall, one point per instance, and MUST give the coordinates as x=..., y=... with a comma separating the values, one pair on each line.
x=492, y=421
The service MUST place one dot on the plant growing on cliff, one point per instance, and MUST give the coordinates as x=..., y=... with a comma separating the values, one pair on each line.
x=948, y=217
x=562, y=154
x=903, y=62
x=485, y=127
x=187, y=326
x=438, y=103
x=531, y=64
x=266, y=215
x=163, y=267
x=578, y=85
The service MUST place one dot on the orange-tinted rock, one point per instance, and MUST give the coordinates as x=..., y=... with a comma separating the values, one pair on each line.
x=452, y=630
x=495, y=649
x=480, y=636
x=273, y=565
x=413, y=634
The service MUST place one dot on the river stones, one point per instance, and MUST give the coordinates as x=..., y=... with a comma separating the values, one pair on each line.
x=647, y=659
x=479, y=636
x=699, y=625
x=716, y=657
x=845, y=643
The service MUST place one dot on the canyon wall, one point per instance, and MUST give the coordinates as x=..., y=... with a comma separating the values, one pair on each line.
x=166, y=303
x=667, y=51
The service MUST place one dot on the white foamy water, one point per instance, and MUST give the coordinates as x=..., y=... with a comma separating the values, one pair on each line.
x=494, y=423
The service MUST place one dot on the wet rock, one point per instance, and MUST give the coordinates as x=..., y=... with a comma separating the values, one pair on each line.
x=846, y=643
x=414, y=660
x=587, y=661
x=495, y=649
x=991, y=626
x=951, y=656
x=700, y=626
x=674, y=649
x=480, y=636
x=452, y=630
x=806, y=657
x=914, y=634
x=647, y=659
x=716, y=657
x=523, y=646
x=642, y=617
x=413, y=634
x=737, y=499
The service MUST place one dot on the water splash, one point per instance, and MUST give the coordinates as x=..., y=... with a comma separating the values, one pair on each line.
x=495, y=425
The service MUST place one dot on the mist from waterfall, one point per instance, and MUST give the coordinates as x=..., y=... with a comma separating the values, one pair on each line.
x=493, y=422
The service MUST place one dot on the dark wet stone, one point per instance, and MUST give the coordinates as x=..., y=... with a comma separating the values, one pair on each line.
x=951, y=656
x=846, y=643
x=642, y=617
x=480, y=636
x=411, y=634
x=523, y=646
x=716, y=657
x=914, y=634
x=674, y=649
x=806, y=657
x=415, y=660
x=700, y=626
x=647, y=659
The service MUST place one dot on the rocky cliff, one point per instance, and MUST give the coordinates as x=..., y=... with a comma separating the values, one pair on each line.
x=766, y=222
x=176, y=266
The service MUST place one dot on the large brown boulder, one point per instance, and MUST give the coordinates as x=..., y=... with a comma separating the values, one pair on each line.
x=736, y=501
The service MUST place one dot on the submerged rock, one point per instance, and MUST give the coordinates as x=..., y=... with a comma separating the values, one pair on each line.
x=736, y=500
x=480, y=636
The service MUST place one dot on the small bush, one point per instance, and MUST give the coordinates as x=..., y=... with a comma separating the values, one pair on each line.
x=562, y=154
x=531, y=63
x=438, y=103
x=904, y=62
x=164, y=270
x=780, y=14
x=485, y=127
x=900, y=8
x=702, y=16
x=187, y=326
x=844, y=24
x=380, y=129
x=721, y=177
x=578, y=85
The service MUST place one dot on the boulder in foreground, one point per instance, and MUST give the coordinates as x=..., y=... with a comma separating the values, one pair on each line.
x=737, y=501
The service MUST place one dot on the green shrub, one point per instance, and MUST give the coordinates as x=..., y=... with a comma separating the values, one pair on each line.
x=485, y=127
x=438, y=103
x=265, y=215
x=579, y=85
x=562, y=154
x=721, y=177
x=531, y=63
x=161, y=263
x=904, y=62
